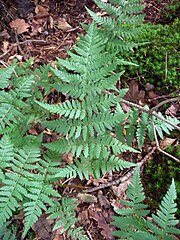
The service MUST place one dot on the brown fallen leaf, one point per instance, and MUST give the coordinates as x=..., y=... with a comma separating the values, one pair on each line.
x=102, y=224
x=63, y=25
x=134, y=94
x=19, y=25
x=40, y=10
x=87, y=198
x=103, y=200
x=166, y=142
x=120, y=191
x=43, y=227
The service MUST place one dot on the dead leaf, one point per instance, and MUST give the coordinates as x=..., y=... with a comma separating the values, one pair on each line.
x=173, y=109
x=43, y=227
x=40, y=10
x=63, y=25
x=166, y=142
x=5, y=45
x=106, y=229
x=19, y=25
x=121, y=189
x=134, y=94
x=87, y=198
x=103, y=200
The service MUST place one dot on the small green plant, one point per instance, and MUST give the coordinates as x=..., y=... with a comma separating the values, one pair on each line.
x=7, y=233
x=131, y=221
x=159, y=60
x=160, y=171
x=171, y=11
x=121, y=24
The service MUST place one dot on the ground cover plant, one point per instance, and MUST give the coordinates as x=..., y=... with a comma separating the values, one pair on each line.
x=159, y=59
x=90, y=125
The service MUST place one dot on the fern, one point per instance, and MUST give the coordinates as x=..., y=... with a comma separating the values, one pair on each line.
x=121, y=24
x=6, y=233
x=65, y=214
x=86, y=121
x=132, y=222
x=140, y=126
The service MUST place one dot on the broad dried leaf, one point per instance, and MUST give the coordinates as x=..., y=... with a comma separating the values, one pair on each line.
x=40, y=10
x=19, y=25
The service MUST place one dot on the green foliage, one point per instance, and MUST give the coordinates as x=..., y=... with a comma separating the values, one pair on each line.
x=90, y=125
x=159, y=60
x=158, y=174
x=140, y=125
x=171, y=11
x=132, y=222
x=6, y=233
x=120, y=26
x=87, y=120
x=65, y=214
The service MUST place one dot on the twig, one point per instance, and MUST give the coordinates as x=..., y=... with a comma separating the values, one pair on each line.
x=164, y=102
x=35, y=41
x=150, y=112
x=115, y=182
x=146, y=158
x=158, y=147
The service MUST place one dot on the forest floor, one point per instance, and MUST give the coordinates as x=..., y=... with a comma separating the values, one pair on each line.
x=44, y=30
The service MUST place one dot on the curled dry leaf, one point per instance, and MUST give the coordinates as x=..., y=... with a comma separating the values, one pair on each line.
x=19, y=25
x=40, y=10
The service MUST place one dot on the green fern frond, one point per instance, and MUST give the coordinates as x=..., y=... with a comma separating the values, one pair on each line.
x=141, y=128
x=165, y=217
x=131, y=221
x=65, y=213
x=5, y=75
x=6, y=152
x=121, y=24
x=6, y=233
x=161, y=126
x=12, y=104
x=17, y=179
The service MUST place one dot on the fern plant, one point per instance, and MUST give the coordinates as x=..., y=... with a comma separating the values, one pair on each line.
x=121, y=24
x=141, y=125
x=86, y=122
x=65, y=214
x=132, y=222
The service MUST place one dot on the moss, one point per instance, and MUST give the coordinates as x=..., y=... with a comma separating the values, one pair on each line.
x=158, y=59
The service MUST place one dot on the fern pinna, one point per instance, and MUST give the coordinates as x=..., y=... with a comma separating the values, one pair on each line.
x=86, y=122
x=121, y=23
x=132, y=222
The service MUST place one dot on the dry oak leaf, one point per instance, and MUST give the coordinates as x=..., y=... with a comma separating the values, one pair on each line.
x=19, y=25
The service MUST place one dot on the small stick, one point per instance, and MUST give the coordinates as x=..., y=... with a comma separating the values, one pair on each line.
x=158, y=147
x=115, y=182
